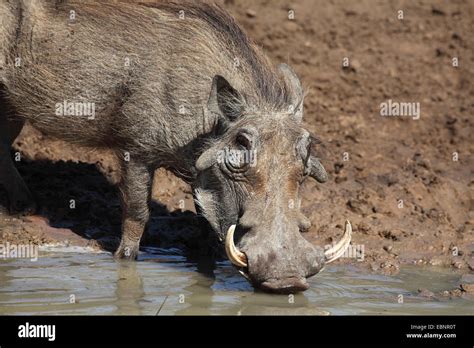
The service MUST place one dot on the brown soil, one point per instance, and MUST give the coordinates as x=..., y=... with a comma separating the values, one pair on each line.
x=390, y=159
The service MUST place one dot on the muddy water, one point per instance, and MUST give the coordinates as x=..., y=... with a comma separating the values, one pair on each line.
x=163, y=282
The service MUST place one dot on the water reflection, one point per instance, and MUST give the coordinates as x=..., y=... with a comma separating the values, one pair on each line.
x=129, y=291
x=165, y=282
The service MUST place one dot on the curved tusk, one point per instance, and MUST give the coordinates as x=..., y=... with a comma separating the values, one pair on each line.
x=235, y=256
x=337, y=250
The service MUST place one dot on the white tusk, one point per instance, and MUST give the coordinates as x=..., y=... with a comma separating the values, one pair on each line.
x=337, y=250
x=235, y=256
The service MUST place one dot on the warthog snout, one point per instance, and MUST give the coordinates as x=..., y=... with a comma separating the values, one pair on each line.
x=279, y=259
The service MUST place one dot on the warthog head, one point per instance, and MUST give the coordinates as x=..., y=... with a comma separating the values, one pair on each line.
x=248, y=188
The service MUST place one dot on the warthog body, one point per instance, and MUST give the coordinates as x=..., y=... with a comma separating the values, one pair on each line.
x=174, y=86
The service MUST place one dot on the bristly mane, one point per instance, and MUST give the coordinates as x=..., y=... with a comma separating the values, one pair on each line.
x=268, y=83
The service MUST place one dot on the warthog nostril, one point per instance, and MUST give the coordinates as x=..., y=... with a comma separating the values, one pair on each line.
x=285, y=286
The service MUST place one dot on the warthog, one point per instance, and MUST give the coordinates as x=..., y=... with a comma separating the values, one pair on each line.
x=178, y=86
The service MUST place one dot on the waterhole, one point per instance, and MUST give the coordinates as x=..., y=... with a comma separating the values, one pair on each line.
x=164, y=282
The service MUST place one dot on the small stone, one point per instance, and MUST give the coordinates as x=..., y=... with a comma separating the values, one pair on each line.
x=251, y=13
x=428, y=36
x=440, y=52
x=456, y=292
x=457, y=264
x=436, y=261
x=456, y=36
x=470, y=263
x=437, y=11
x=374, y=266
x=467, y=278
x=387, y=248
x=338, y=167
x=469, y=288
x=36, y=219
x=426, y=293
x=363, y=227
x=350, y=13
x=355, y=64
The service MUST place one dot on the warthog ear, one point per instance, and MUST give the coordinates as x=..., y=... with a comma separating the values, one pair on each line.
x=224, y=100
x=297, y=95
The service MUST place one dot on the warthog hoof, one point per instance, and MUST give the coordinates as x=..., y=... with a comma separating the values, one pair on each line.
x=127, y=251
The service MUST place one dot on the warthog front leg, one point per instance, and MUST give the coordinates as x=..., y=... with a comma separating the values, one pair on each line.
x=135, y=189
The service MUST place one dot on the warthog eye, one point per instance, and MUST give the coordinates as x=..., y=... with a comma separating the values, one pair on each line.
x=241, y=154
x=244, y=141
x=237, y=160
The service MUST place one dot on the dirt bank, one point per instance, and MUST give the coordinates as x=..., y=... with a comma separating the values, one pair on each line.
x=406, y=184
